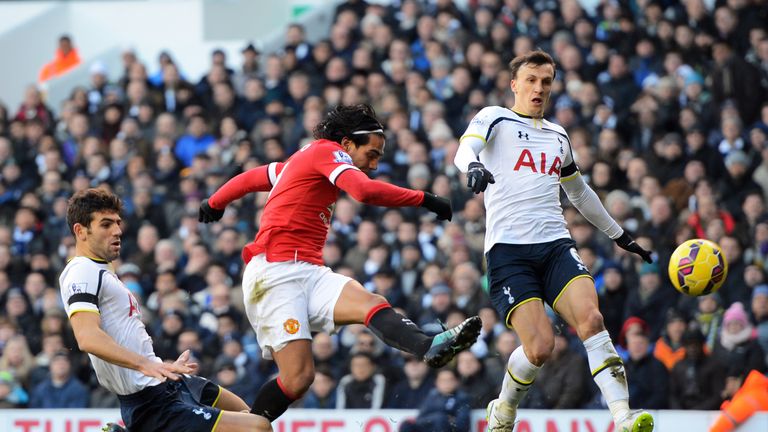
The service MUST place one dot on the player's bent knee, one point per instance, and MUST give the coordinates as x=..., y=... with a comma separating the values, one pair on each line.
x=540, y=351
x=591, y=324
x=299, y=383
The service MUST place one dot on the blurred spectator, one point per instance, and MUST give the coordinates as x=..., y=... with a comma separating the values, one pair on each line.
x=474, y=381
x=697, y=380
x=61, y=389
x=650, y=300
x=647, y=378
x=66, y=58
x=669, y=348
x=414, y=389
x=709, y=318
x=737, y=351
x=445, y=409
x=363, y=387
x=322, y=392
x=12, y=394
x=17, y=359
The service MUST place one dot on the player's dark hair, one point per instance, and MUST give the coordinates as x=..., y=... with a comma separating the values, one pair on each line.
x=82, y=205
x=535, y=58
x=348, y=122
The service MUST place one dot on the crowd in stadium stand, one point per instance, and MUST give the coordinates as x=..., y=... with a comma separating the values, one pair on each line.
x=666, y=106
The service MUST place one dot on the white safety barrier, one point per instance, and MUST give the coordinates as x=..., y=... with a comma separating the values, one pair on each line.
x=91, y=420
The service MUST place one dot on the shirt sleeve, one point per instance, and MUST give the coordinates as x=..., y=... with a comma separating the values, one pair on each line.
x=259, y=179
x=80, y=289
x=331, y=161
x=374, y=192
x=479, y=132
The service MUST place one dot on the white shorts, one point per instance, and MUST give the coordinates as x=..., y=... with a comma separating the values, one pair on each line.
x=288, y=300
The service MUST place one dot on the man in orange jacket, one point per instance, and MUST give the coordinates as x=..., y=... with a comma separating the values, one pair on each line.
x=66, y=59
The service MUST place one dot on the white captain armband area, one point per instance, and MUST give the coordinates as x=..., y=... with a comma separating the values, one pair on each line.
x=80, y=285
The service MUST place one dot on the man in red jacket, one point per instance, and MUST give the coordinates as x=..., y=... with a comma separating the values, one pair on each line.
x=288, y=292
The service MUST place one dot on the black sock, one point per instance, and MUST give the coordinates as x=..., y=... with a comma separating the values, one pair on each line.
x=398, y=331
x=271, y=401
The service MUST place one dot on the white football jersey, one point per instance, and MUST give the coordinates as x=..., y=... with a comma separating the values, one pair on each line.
x=89, y=286
x=528, y=158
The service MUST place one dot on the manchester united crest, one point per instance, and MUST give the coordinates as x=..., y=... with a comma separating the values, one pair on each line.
x=291, y=326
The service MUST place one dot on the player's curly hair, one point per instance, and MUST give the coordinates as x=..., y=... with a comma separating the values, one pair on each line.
x=348, y=121
x=82, y=205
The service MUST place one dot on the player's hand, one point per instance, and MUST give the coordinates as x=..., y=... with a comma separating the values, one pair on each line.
x=629, y=244
x=183, y=360
x=478, y=178
x=438, y=205
x=163, y=371
x=209, y=214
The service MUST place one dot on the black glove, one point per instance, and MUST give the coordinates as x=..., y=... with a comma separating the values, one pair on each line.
x=478, y=178
x=209, y=214
x=629, y=244
x=438, y=205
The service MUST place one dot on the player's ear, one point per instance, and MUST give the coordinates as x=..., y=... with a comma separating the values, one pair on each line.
x=347, y=144
x=513, y=85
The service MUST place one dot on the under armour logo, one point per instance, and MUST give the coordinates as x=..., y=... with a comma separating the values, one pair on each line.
x=508, y=293
x=561, y=145
x=520, y=135
x=199, y=411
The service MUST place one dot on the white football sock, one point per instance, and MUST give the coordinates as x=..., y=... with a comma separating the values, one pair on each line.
x=608, y=373
x=519, y=377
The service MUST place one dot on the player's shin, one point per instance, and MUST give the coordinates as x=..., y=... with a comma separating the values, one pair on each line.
x=397, y=331
x=271, y=400
x=519, y=377
x=608, y=373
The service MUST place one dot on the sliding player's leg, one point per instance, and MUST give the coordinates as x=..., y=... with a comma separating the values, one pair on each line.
x=355, y=305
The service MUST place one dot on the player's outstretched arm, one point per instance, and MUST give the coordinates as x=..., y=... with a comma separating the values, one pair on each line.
x=259, y=179
x=374, y=192
x=93, y=340
x=588, y=204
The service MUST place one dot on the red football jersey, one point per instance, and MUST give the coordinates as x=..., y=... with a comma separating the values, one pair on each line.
x=304, y=190
x=298, y=212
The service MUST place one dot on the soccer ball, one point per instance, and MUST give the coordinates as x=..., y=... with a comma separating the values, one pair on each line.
x=698, y=267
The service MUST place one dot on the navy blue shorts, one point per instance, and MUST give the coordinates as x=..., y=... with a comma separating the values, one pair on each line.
x=521, y=273
x=184, y=405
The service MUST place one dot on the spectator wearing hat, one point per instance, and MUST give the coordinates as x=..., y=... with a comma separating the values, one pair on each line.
x=249, y=68
x=737, y=350
x=61, y=389
x=647, y=378
x=696, y=381
x=669, y=347
x=650, y=301
x=633, y=324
